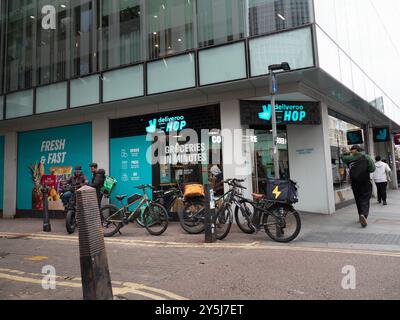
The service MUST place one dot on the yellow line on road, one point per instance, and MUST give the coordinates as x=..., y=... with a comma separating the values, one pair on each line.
x=218, y=245
x=127, y=287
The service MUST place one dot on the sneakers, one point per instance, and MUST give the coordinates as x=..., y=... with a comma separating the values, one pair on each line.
x=363, y=221
x=385, y=203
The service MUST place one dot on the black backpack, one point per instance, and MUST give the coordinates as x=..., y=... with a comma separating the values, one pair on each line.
x=359, y=170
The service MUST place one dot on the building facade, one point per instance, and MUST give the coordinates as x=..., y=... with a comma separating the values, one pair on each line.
x=86, y=81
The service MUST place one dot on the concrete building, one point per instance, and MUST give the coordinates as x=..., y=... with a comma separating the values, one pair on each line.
x=87, y=80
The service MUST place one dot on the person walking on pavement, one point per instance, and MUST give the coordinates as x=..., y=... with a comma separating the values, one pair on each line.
x=381, y=178
x=360, y=167
x=98, y=178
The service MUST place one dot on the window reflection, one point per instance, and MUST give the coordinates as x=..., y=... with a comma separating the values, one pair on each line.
x=267, y=16
x=121, y=33
x=220, y=21
x=84, y=39
x=170, y=27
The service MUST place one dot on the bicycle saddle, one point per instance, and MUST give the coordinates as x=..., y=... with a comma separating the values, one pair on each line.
x=121, y=198
x=257, y=196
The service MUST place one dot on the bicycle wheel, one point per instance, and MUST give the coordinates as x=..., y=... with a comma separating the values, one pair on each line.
x=244, y=216
x=223, y=222
x=192, y=216
x=70, y=221
x=111, y=220
x=282, y=223
x=155, y=219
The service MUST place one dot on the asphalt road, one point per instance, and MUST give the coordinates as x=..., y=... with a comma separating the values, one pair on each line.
x=156, y=269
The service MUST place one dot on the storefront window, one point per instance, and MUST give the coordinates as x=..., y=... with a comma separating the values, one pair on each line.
x=263, y=168
x=169, y=27
x=176, y=158
x=121, y=32
x=340, y=134
x=266, y=16
x=220, y=21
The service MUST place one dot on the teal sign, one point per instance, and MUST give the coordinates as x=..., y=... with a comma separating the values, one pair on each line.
x=128, y=164
x=167, y=124
x=259, y=113
x=55, y=148
x=1, y=172
x=381, y=134
x=284, y=113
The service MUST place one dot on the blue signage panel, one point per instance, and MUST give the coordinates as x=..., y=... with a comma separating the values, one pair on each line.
x=298, y=113
x=59, y=149
x=381, y=134
x=129, y=165
x=1, y=172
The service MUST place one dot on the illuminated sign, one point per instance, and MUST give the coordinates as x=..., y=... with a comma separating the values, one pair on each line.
x=167, y=124
x=381, y=134
x=285, y=113
x=355, y=137
x=260, y=113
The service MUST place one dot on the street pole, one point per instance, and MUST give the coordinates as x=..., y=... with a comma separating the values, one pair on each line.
x=274, y=126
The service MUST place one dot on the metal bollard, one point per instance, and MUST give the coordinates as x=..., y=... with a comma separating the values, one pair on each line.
x=46, y=219
x=96, y=280
x=210, y=232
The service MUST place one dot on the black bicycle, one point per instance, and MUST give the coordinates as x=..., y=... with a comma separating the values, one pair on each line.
x=280, y=220
x=155, y=215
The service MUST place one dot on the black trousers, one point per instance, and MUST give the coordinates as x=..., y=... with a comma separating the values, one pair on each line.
x=382, y=191
x=362, y=193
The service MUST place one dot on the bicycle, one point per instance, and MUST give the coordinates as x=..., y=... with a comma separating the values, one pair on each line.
x=114, y=218
x=280, y=220
x=224, y=216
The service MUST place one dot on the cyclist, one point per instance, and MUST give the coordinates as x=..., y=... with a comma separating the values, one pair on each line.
x=76, y=181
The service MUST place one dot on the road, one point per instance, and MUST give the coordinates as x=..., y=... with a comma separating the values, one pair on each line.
x=144, y=267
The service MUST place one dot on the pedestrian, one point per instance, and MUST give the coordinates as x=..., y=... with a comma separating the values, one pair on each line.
x=75, y=182
x=360, y=167
x=381, y=177
x=98, y=178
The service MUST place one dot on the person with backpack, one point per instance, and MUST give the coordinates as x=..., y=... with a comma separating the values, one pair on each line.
x=381, y=178
x=360, y=167
x=98, y=178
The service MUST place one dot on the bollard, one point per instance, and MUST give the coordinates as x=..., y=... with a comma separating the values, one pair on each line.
x=210, y=232
x=46, y=219
x=96, y=280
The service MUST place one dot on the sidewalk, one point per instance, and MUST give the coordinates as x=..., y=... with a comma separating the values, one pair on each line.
x=341, y=230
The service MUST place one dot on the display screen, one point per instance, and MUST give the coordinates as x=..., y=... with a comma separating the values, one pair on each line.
x=381, y=134
x=355, y=137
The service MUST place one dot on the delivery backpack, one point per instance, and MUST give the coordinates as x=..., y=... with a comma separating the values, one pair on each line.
x=281, y=191
x=109, y=185
x=359, y=170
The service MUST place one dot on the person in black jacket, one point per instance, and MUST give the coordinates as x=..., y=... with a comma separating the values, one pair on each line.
x=99, y=176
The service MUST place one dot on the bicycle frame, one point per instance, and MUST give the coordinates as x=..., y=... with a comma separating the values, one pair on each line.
x=128, y=214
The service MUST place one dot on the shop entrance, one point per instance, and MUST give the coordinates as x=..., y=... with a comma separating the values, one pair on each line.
x=263, y=163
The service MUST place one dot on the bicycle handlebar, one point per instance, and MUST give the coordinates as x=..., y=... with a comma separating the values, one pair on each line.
x=235, y=183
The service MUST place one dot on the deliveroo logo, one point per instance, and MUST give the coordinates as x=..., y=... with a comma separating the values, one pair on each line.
x=382, y=135
x=266, y=114
x=152, y=126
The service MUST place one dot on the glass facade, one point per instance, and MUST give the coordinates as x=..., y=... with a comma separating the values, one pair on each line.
x=356, y=40
x=47, y=42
